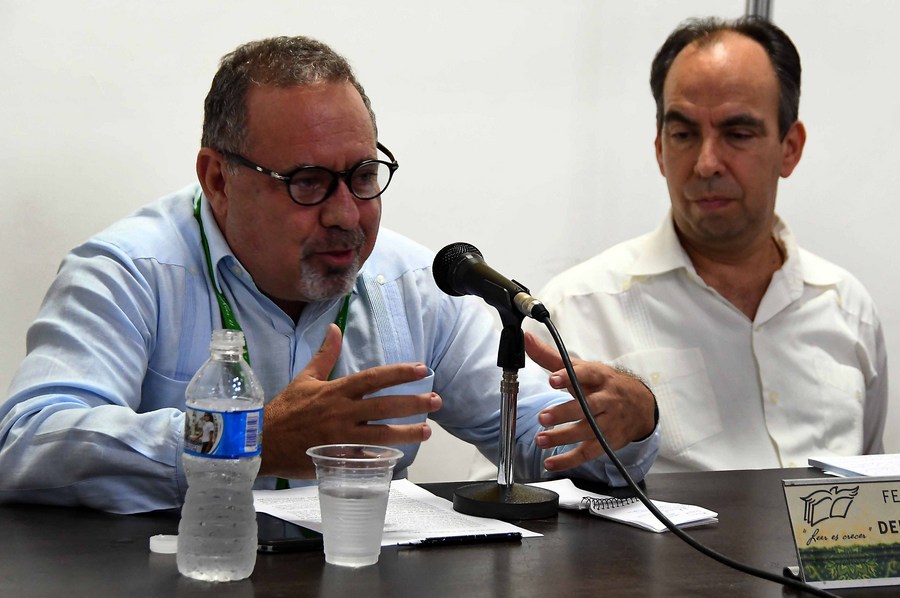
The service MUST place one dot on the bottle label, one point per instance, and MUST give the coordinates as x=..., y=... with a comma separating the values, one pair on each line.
x=223, y=434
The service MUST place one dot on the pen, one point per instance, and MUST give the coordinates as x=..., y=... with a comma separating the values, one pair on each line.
x=472, y=539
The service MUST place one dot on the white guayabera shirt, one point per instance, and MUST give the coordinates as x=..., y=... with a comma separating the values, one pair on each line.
x=808, y=376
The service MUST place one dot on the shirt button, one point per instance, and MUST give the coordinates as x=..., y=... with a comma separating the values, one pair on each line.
x=654, y=377
x=773, y=397
x=380, y=279
x=236, y=270
x=859, y=396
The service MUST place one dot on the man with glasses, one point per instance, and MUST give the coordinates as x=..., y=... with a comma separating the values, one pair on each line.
x=279, y=239
x=760, y=353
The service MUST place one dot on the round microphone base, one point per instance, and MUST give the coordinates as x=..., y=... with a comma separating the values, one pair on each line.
x=516, y=501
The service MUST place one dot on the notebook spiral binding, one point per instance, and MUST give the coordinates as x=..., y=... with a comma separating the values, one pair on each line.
x=601, y=504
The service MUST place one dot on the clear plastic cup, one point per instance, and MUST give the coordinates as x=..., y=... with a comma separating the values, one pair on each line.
x=354, y=481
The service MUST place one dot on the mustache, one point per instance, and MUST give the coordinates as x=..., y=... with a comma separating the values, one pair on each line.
x=336, y=240
x=700, y=189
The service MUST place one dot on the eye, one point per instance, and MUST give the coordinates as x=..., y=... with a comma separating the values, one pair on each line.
x=367, y=178
x=309, y=185
x=681, y=134
x=310, y=179
x=366, y=173
x=740, y=135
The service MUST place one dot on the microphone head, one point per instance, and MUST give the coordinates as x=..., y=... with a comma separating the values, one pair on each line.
x=445, y=263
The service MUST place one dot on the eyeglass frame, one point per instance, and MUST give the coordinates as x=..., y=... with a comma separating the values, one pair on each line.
x=336, y=175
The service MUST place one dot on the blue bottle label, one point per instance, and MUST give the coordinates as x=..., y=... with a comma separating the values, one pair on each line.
x=223, y=434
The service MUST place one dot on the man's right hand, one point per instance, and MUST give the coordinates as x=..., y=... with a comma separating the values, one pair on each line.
x=313, y=410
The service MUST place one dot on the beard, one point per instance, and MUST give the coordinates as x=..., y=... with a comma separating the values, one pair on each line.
x=329, y=283
x=319, y=283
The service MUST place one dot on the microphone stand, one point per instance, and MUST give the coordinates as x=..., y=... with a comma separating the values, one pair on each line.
x=504, y=499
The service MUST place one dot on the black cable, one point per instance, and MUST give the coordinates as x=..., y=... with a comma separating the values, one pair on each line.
x=785, y=581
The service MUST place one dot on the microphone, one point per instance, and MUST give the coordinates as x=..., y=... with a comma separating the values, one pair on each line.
x=459, y=269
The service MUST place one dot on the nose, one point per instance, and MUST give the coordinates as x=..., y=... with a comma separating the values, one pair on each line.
x=340, y=209
x=709, y=163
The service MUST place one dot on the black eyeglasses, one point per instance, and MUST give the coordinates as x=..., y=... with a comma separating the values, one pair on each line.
x=311, y=185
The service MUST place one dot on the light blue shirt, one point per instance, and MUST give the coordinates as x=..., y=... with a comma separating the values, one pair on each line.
x=95, y=414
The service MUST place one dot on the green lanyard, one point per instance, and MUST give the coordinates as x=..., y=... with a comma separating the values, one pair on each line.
x=229, y=320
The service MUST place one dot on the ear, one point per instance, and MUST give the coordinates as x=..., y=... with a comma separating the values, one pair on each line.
x=212, y=173
x=659, y=160
x=792, y=146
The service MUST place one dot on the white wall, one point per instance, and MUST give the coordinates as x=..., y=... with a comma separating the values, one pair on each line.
x=524, y=127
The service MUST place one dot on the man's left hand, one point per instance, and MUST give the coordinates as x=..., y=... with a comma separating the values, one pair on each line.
x=620, y=403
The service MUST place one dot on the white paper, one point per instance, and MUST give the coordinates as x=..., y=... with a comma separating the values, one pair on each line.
x=635, y=513
x=413, y=514
x=859, y=465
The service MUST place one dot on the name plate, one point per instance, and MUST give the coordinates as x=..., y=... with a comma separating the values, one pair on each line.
x=846, y=530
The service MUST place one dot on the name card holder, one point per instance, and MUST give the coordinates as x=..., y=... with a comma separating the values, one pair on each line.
x=846, y=530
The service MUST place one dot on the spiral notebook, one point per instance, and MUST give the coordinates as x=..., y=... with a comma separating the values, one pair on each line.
x=630, y=511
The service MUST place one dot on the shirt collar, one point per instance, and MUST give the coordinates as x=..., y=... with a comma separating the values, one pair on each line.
x=664, y=253
x=801, y=265
x=218, y=247
x=810, y=268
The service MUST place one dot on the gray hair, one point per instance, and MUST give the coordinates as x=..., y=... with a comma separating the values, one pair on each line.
x=277, y=61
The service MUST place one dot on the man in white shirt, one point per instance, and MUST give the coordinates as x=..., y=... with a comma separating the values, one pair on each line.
x=760, y=354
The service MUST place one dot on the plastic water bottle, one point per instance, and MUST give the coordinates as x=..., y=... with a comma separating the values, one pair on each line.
x=222, y=444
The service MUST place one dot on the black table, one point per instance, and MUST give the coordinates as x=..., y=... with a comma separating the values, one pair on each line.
x=60, y=552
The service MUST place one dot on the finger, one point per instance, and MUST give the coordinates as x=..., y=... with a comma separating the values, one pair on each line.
x=576, y=432
x=590, y=374
x=393, y=434
x=593, y=379
x=616, y=432
x=380, y=377
x=397, y=406
x=542, y=354
x=320, y=366
x=584, y=452
x=562, y=413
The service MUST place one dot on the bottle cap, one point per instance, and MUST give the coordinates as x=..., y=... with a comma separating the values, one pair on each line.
x=224, y=339
x=163, y=544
